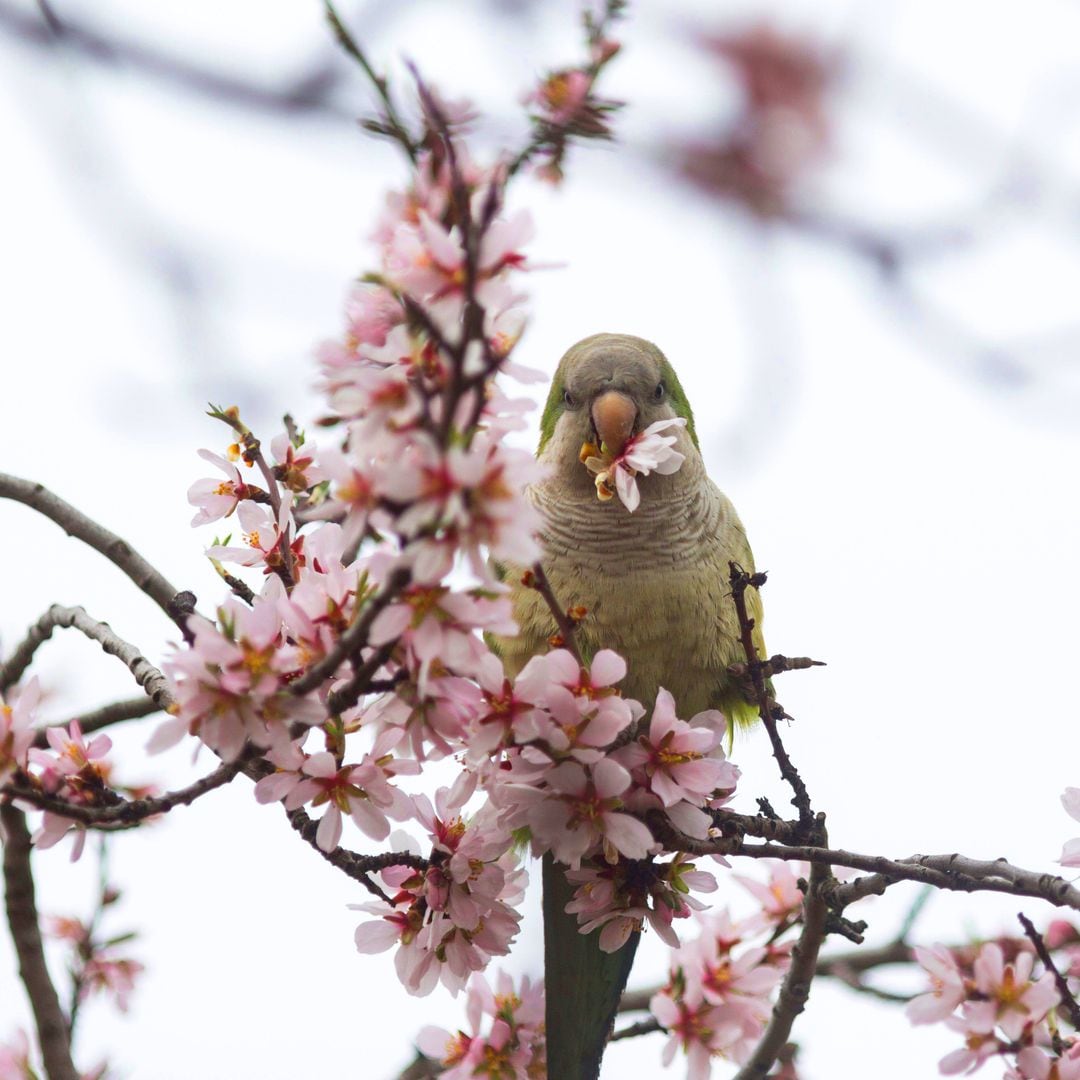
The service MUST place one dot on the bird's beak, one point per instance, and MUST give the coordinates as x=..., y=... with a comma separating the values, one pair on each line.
x=614, y=415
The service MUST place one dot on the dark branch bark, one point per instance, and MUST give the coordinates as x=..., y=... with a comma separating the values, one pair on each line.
x=52, y=1024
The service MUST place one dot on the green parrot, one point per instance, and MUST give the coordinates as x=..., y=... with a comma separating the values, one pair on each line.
x=654, y=584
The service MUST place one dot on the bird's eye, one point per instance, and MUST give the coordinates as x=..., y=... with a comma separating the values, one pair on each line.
x=658, y=393
x=568, y=399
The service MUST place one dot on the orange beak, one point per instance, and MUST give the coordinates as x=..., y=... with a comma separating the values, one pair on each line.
x=614, y=416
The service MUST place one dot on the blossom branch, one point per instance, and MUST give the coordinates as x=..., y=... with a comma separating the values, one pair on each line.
x=538, y=580
x=22, y=914
x=353, y=639
x=767, y=707
x=389, y=123
x=551, y=135
x=1068, y=999
x=795, y=989
x=74, y=523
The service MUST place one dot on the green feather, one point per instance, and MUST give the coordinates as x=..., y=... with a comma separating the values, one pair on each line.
x=679, y=401
x=554, y=407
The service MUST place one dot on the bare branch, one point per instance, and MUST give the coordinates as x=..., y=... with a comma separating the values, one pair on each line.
x=146, y=675
x=74, y=523
x=955, y=872
x=642, y=1027
x=538, y=580
x=740, y=582
x=52, y=1024
x=358, y=867
x=311, y=91
x=107, y=715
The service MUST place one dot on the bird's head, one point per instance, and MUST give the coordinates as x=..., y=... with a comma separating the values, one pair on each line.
x=606, y=389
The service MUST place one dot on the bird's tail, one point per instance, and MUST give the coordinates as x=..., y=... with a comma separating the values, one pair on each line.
x=582, y=984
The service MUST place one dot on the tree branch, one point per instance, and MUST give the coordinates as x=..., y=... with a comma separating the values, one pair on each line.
x=309, y=92
x=52, y=1025
x=107, y=715
x=127, y=814
x=954, y=873
x=74, y=523
x=146, y=675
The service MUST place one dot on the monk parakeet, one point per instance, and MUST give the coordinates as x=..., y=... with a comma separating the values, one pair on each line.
x=654, y=583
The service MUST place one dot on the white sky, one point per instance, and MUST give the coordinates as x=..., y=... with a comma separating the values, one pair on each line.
x=918, y=517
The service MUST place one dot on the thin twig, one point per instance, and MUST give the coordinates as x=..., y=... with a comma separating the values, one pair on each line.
x=22, y=914
x=1068, y=1000
x=795, y=989
x=130, y=813
x=642, y=1027
x=392, y=127
x=740, y=581
x=358, y=867
x=539, y=581
x=74, y=523
x=310, y=91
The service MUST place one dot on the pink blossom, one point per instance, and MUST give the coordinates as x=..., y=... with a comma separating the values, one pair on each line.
x=580, y=808
x=217, y=499
x=513, y=1046
x=948, y=987
x=264, y=535
x=294, y=466
x=15, y=1058
x=231, y=684
x=646, y=452
x=1012, y=999
x=17, y=728
x=781, y=899
x=1070, y=854
x=677, y=761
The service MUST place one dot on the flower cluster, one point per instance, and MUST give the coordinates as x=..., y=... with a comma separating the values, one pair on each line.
x=718, y=996
x=992, y=998
x=450, y=918
x=511, y=1047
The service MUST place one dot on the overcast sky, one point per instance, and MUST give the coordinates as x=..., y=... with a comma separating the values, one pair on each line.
x=902, y=451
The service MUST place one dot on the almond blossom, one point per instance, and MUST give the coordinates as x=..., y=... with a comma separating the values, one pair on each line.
x=17, y=728
x=217, y=499
x=1070, y=854
x=577, y=808
x=1010, y=999
x=673, y=761
x=646, y=452
x=513, y=1046
x=948, y=987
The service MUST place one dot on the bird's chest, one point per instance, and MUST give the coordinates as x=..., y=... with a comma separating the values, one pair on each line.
x=649, y=593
